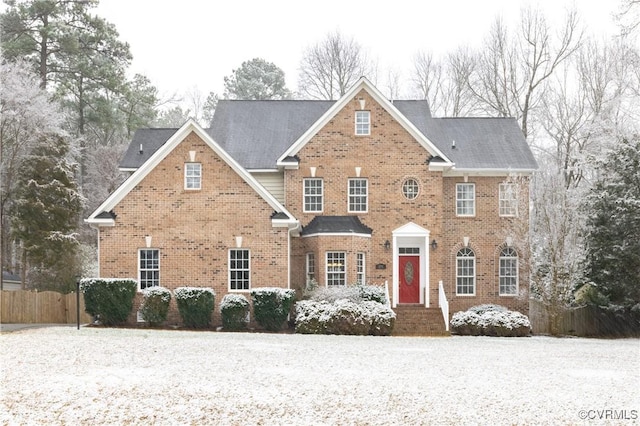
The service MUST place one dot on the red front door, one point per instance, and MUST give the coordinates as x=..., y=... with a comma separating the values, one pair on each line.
x=409, y=279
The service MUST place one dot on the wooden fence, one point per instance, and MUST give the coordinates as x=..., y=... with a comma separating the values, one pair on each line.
x=581, y=321
x=46, y=307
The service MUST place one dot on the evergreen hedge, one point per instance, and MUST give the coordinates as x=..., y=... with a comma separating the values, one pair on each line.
x=109, y=299
x=155, y=305
x=271, y=306
x=195, y=305
x=234, y=310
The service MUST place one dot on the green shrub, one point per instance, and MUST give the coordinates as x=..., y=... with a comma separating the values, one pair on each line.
x=234, y=309
x=195, y=305
x=271, y=306
x=109, y=299
x=155, y=305
x=353, y=293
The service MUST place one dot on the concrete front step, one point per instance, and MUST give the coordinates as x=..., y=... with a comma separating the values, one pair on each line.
x=416, y=320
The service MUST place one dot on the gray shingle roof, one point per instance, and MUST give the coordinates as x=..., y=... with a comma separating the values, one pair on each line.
x=257, y=133
x=335, y=224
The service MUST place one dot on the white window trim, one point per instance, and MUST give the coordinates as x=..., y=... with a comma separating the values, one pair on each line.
x=517, y=276
x=368, y=122
x=186, y=176
x=361, y=270
x=309, y=256
x=473, y=214
x=140, y=269
x=466, y=276
x=349, y=195
x=510, y=200
x=229, y=270
x=304, y=195
x=326, y=268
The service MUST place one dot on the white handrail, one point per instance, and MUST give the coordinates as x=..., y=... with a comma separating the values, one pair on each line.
x=443, y=303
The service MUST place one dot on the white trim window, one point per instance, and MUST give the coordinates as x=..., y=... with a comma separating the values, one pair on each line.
x=410, y=189
x=465, y=272
x=508, y=199
x=239, y=269
x=336, y=268
x=360, y=268
x=192, y=176
x=508, y=272
x=311, y=266
x=358, y=195
x=148, y=268
x=465, y=199
x=313, y=194
x=363, y=123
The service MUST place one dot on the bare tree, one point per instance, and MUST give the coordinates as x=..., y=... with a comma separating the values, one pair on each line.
x=512, y=72
x=427, y=78
x=331, y=66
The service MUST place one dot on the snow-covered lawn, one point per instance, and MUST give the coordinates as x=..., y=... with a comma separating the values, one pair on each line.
x=113, y=376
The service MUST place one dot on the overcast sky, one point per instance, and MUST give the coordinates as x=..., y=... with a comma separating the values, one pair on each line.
x=187, y=44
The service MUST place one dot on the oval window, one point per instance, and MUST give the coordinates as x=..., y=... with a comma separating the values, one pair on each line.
x=410, y=189
x=408, y=273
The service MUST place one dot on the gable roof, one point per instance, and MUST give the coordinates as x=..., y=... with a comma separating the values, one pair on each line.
x=100, y=217
x=262, y=135
x=363, y=84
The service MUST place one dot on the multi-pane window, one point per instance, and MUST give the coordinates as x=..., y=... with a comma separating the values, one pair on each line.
x=360, y=268
x=312, y=195
x=148, y=268
x=465, y=199
x=357, y=195
x=508, y=272
x=311, y=266
x=192, y=176
x=410, y=189
x=336, y=268
x=239, y=269
x=465, y=272
x=363, y=122
x=508, y=199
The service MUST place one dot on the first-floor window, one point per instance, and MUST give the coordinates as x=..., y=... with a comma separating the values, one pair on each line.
x=360, y=268
x=465, y=272
x=336, y=268
x=239, y=269
x=311, y=266
x=508, y=272
x=148, y=268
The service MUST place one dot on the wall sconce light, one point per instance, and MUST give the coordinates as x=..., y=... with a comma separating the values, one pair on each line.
x=387, y=245
x=434, y=244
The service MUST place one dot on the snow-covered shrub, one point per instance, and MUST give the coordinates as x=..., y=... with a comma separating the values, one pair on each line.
x=109, y=299
x=356, y=293
x=271, y=306
x=234, y=309
x=195, y=305
x=344, y=317
x=155, y=305
x=492, y=320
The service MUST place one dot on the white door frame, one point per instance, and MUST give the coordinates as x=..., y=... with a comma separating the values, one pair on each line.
x=411, y=235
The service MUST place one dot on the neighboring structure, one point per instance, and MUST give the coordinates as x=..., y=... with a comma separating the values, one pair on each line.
x=11, y=282
x=362, y=189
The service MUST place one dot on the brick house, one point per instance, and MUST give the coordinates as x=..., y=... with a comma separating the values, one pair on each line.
x=362, y=189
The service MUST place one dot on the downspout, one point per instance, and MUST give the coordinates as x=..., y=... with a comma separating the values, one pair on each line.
x=294, y=228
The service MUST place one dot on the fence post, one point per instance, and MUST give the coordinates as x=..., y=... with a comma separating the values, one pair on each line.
x=78, y=303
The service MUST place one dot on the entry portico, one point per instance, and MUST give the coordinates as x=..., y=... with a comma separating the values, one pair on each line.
x=410, y=265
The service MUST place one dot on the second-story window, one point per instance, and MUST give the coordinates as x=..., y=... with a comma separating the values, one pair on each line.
x=465, y=199
x=312, y=195
x=363, y=123
x=192, y=176
x=358, y=195
x=508, y=199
